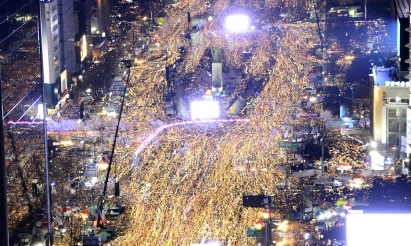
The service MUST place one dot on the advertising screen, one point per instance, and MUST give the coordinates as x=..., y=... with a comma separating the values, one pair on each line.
x=378, y=229
x=205, y=110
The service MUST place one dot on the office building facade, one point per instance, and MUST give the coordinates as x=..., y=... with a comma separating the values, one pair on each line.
x=50, y=47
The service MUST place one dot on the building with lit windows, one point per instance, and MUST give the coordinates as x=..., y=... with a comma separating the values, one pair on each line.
x=390, y=122
x=67, y=45
x=50, y=46
x=91, y=20
x=391, y=113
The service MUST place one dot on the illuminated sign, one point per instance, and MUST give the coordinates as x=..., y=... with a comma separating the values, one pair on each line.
x=63, y=80
x=83, y=47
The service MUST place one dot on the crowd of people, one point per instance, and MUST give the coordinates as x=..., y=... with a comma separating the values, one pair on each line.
x=23, y=144
x=188, y=176
x=24, y=148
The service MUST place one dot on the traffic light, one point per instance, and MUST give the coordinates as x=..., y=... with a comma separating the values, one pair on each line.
x=117, y=189
x=259, y=201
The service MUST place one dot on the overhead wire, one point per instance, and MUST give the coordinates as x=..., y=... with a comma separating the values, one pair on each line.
x=15, y=30
x=4, y=2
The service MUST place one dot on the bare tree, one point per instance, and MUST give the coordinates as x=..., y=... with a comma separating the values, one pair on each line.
x=73, y=225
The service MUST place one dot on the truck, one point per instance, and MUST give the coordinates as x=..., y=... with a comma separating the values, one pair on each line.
x=237, y=106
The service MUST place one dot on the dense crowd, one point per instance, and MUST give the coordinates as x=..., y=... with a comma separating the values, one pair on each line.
x=24, y=165
x=23, y=144
x=193, y=176
x=189, y=176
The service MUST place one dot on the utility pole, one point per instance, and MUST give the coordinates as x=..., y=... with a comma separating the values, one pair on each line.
x=4, y=231
x=128, y=64
x=268, y=237
x=322, y=156
x=49, y=239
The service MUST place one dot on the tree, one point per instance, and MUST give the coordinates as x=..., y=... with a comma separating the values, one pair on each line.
x=73, y=225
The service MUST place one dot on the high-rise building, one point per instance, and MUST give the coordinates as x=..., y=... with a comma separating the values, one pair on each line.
x=91, y=19
x=50, y=47
x=67, y=43
x=103, y=13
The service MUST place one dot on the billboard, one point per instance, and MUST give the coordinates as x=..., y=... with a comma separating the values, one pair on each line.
x=408, y=140
x=208, y=109
x=83, y=47
x=63, y=81
x=378, y=229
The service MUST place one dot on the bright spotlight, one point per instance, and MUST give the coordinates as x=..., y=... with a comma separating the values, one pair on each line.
x=205, y=109
x=237, y=23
